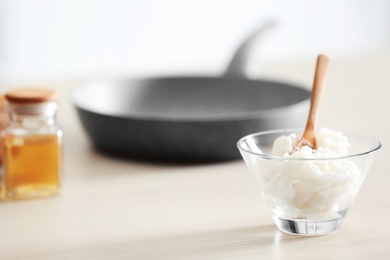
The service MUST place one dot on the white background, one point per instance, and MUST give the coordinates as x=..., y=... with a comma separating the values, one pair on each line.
x=42, y=39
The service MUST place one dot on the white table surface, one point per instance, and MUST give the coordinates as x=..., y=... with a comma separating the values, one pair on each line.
x=123, y=209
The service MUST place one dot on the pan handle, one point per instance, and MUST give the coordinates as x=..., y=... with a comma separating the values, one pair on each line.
x=238, y=64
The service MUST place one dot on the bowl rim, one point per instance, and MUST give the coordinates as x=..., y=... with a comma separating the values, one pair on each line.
x=376, y=147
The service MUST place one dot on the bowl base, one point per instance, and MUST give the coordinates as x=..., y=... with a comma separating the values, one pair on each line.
x=308, y=227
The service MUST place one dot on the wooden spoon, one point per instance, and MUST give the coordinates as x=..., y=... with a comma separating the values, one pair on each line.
x=309, y=136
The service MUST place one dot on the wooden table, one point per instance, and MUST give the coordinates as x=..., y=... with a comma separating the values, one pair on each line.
x=122, y=209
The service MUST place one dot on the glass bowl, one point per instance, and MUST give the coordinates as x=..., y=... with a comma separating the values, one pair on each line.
x=308, y=196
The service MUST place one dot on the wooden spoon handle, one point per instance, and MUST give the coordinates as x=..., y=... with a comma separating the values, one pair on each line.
x=318, y=86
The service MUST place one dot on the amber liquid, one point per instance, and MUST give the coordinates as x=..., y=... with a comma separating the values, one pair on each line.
x=31, y=166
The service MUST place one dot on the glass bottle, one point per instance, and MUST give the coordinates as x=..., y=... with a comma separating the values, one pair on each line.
x=32, y=150
x=3, y=124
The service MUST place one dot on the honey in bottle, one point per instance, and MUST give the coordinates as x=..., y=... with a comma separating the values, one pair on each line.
x=32, y=149
x=3, y=124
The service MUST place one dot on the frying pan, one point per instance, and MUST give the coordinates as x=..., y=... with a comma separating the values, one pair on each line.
x=187, y=118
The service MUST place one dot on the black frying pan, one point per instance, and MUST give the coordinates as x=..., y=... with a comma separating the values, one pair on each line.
x=187, y=118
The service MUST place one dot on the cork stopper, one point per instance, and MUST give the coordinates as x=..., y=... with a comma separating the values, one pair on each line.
x=31, y=95
x=31, y=101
